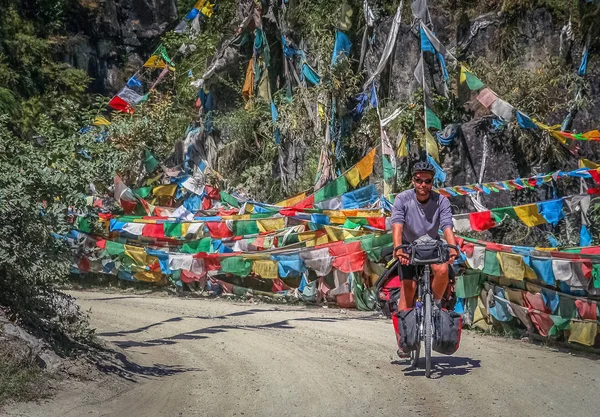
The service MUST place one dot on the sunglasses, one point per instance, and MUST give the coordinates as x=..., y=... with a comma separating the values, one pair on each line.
x=420, y=181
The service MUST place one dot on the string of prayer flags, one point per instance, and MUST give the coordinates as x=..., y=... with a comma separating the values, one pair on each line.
x=587, y=171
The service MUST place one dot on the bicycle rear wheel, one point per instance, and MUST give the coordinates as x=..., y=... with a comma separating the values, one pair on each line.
x=428, y=334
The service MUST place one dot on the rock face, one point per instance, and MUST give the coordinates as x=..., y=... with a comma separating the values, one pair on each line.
x=116, y=37
x=29, y=345
x=536, y=37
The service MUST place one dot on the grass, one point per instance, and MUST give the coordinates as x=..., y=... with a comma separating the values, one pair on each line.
x=21, y=379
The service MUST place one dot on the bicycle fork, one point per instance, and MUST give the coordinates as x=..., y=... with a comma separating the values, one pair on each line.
x=424, y=290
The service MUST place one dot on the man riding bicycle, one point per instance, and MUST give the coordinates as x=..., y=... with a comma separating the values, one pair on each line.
x=416, y=213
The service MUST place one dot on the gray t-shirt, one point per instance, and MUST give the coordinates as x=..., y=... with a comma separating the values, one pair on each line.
x=421, y=219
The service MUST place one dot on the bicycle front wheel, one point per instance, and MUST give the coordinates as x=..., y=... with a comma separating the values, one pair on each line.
x=428, y=334
x=414, y=356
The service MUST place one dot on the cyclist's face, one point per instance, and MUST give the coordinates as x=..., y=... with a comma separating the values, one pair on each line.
x=423, y=182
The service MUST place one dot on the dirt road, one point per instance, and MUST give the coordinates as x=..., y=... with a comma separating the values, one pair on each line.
x=191, y=357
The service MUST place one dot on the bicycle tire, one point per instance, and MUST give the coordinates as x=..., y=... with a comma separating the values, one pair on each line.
x=428, y=334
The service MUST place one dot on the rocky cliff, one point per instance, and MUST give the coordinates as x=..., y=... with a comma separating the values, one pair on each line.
x=112, y=38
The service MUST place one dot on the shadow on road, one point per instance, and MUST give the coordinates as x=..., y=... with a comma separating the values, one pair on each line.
x=111, y=362
x=442, y=366
x=203, y=333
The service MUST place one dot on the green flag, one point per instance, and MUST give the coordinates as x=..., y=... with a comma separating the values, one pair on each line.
x=349, y=224
x=195, y=246
x=335, y=188
x=236, y=265
x=388, y=170
x=431, y=120
x=245, y=227
x=172, y=229
x=560, y=324
x=502, y=212
x=114, y=248
x=150, y=162
x=473, y=82
x=491, y=265
x=229, y=199
x=143, y=192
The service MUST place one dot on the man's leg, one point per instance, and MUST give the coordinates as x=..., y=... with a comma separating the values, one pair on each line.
x=409, y=287
x=440, y=280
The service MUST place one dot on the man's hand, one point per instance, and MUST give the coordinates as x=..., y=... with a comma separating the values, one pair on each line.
x=402, y=256
x=453, y=255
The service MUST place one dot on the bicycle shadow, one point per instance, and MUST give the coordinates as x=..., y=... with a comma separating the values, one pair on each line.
x=441, y=366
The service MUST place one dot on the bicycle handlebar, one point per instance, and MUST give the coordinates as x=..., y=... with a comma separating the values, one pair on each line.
x=421, y=261
x=406, y=246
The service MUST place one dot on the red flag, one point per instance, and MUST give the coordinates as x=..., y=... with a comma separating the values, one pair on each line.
x=119, y=104
x=218, y=230
x=352, y=262
x=481, y=221
x=206, y=203
x=377, y=222
x=212, y=192
x=154, y=230
x=128, y=206
x=344, y=248
x=306, y=203
x=595, y=175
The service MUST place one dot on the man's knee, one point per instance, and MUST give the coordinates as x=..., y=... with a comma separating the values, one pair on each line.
x=440, y=270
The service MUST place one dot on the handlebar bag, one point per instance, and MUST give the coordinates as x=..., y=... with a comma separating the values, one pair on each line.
x=434, y=250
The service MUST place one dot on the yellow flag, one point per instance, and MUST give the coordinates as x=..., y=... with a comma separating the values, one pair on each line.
x=512, y=265
x=148, y=276
x=292, y=200
x=100, y=121
x=270, y=225
x=248, y=87
x=165, y=190
x=348, y=233
x=353, y=176
x=239, y=217
x=586, y=163
x=147, y=221
x=154, y=179
x=199, y=4
x=184, y=228
x=138, y=254
x=155, y=62
x=583, y=332
x=369, y=213
x=321, y=240
x=431, y=146
x=266, y=269
x=529, y=215
x=334, y=234
x=403, y=148
x=463, y=75
x=208, y=9
x=365, y=165
x=307, y=236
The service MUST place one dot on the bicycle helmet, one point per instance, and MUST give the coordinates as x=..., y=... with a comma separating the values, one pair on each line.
x=423, y=166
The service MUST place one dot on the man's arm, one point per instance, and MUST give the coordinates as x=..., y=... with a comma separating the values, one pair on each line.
x=397, y=226
x=446, y=225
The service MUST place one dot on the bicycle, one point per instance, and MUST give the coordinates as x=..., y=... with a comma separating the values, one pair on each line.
x=425, y=254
